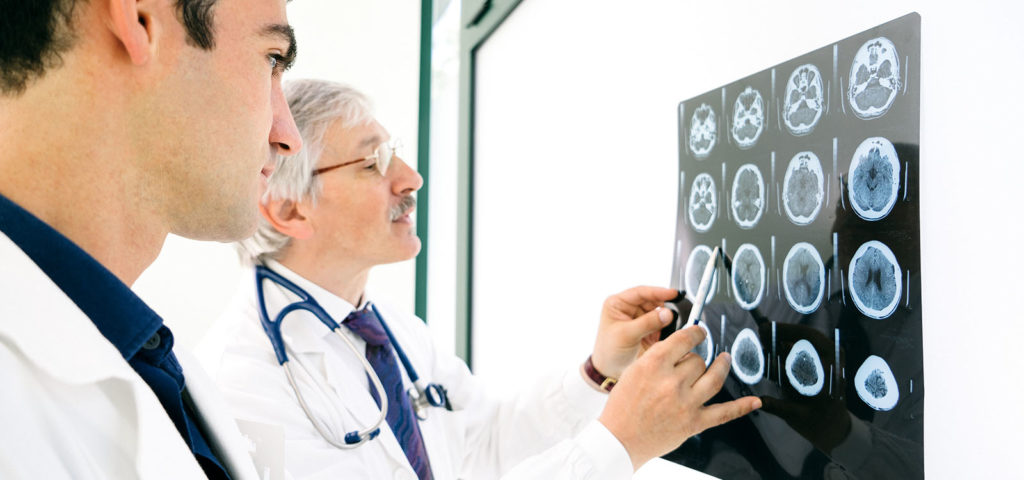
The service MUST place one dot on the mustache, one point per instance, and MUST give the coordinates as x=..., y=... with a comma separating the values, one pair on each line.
x=403, y=207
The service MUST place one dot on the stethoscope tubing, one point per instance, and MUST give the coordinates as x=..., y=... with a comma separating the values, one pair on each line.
x=423, y=393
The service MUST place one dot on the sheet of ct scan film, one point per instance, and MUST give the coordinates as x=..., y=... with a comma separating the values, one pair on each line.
x=807, y=175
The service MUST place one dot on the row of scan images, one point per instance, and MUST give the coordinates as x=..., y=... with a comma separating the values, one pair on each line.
x=874, y=184
x=874, y=381
x=873, y=86
x=874, y=277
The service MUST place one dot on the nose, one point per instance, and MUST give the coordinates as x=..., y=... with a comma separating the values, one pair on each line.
x=406, y=180
x=284, y=134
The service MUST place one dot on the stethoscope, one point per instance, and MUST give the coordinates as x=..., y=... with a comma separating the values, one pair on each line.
x=422, y=396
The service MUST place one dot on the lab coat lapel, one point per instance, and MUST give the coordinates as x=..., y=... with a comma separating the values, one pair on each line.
x=47, y=328
x=351, y=383
x=221, y=431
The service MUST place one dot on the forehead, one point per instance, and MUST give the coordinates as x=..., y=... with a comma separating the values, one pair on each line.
x=247, y=18
x=354, y=140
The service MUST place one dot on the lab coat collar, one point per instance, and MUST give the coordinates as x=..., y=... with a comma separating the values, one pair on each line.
x=45, y=324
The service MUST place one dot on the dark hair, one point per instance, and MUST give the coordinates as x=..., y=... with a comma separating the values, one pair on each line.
x=35, y=33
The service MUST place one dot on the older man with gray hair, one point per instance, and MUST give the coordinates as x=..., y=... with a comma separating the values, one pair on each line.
x=373, y=398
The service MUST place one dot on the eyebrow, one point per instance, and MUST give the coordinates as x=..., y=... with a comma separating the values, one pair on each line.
x=371, y=141
x=284, y=32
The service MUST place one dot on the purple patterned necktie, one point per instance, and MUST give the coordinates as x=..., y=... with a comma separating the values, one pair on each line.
x=400, y=416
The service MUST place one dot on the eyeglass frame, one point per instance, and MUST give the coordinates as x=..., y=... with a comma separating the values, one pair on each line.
x=381, y=163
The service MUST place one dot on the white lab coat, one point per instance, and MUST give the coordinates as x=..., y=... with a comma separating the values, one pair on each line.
x=72, y=407
x=549, y=430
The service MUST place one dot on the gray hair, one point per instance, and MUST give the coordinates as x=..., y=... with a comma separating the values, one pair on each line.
x=315, y=105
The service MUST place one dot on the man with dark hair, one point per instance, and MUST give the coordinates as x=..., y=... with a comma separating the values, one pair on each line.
x=122, y=122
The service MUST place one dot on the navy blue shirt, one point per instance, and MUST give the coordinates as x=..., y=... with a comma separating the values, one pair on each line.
x=120, y=315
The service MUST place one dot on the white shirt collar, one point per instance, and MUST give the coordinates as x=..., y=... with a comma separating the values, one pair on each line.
x=302, y=330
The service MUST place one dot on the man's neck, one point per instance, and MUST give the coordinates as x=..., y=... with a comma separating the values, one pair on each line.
x=348, y=282
x=67, y=163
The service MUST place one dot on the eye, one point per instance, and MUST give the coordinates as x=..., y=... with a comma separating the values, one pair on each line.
x=276, y=63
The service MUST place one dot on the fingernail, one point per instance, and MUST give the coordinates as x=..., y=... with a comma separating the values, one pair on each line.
x=757, y=403
x=679, y=296
x=665, y=315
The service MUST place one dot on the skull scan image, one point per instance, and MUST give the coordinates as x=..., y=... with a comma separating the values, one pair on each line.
x=747, y=118
x=703, y=131
x=874, y=78
x=876, y=385
x=747, y=196
x=803, y=278
x=695, y=270
x=804, y=370
x=703, y=202
x=874, y=178
x=747, y=357
x=803, y=188
x=875, y=283
x=805, y=100
x=748, y=276
x=705, y=349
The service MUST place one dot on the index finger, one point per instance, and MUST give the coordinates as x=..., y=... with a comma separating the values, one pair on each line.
x=719, y=413
x=638, y=296
x=678, y=344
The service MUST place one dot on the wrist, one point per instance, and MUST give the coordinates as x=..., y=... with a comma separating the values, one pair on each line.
x=596, y=378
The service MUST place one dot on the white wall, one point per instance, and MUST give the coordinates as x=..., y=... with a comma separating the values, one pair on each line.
x=373, y=46
x=576, y=188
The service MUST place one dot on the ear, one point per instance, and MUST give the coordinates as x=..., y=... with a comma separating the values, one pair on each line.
x=287, y=217
x=132, y=23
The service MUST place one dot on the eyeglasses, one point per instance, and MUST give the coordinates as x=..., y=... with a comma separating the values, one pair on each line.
x=381, y=158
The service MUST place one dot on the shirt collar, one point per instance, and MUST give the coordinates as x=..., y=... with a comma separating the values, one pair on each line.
x=120, y=315
x=307, y=334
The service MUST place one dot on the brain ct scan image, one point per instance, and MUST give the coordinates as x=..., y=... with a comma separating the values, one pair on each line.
x=748, y=276
x=805, y=100
x=703, y=131
x=875, y=282
x=874, y=78
x=747, y=117
x=706, y=348
x=803, y=278
x=812, y=189
x=874, y=178
x=747, y=196
x=804, y=370
x=803, y=188
x=703, y=202
x=695, y=270
x=876, y=385
x=747, y=357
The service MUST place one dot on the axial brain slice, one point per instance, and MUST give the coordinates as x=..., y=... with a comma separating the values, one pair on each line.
x=874, y=178
x=747, y=117
x=747, y=196
x=874, y=78
x=703, y=131
x=804, y=100
x=703, y=202
x=748, y=276
x=876, y=385
x=804, y=370
x=803, y=278
x=695, y=270
x=747, y=357
x=803, y=188
x=875, y=280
